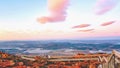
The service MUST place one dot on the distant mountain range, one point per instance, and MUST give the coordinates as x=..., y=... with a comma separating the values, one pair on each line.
x=93, y=45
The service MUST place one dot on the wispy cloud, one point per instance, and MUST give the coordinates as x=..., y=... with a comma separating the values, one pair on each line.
x=107, y=23
x=57, y=9
x=81, y=26
x=103, y=6
x=86, y=30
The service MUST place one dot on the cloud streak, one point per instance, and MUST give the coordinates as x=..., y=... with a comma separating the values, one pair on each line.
x=57, y=9
x=86, y=30
x=81, y=26
x=107, y=23
x=103, y=6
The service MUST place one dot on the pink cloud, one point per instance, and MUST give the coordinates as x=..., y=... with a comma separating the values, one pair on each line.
x=86, y=30
x=81, y=26
x=107, y=23
x=103, y=6
x=57, y=9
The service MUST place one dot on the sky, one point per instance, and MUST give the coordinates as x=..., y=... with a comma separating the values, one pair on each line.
x=59, y=19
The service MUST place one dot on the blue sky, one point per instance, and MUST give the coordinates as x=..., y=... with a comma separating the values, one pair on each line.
x=18, y=17
x=20, y=8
